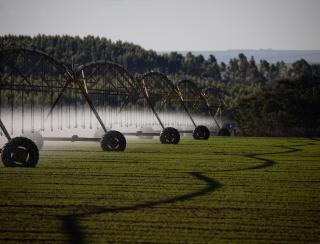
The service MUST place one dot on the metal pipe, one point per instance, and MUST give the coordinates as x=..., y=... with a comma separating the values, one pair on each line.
x=6, y=133
x=184, y=106
x=57, y=99
x=210, y=112
x=146, y=95
x=91, y=105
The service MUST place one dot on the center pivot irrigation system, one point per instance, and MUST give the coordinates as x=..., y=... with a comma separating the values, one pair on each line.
x=47, y=94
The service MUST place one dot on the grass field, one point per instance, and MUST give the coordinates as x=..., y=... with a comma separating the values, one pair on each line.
x=225, y=190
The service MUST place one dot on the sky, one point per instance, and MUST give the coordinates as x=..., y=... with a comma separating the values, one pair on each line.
x=172, y=25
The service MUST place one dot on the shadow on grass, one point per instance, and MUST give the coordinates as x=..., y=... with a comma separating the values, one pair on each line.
x=266, y=163
x=73, y=230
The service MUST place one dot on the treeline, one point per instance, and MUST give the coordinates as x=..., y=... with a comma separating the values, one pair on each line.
x=138, y=60
x=287, y=108
x=262, y=98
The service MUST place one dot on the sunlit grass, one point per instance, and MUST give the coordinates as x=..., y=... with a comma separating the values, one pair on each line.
x=221, y=190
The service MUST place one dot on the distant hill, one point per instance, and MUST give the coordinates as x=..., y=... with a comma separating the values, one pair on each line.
x=272, y=56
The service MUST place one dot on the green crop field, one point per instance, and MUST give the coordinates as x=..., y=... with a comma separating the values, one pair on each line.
x=225, y=190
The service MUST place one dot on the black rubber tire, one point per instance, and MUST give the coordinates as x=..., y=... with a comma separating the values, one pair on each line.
x=224, y=132
x=36, y=137
x=113, y=141
x=201, y=132
x=20, y=152
x=170, y=135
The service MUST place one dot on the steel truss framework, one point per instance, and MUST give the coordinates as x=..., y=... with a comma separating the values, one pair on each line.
x=161, y=92
x=207, y=101
x=28, y=74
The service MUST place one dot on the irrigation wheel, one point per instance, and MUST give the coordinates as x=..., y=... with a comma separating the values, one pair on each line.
x=113, y=141
x=201, y=132
x=20, y=152
x=170, y=135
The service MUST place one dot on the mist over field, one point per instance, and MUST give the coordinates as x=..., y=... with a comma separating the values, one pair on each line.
x=83, y=123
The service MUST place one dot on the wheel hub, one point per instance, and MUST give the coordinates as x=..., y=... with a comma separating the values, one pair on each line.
x=20, y=155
